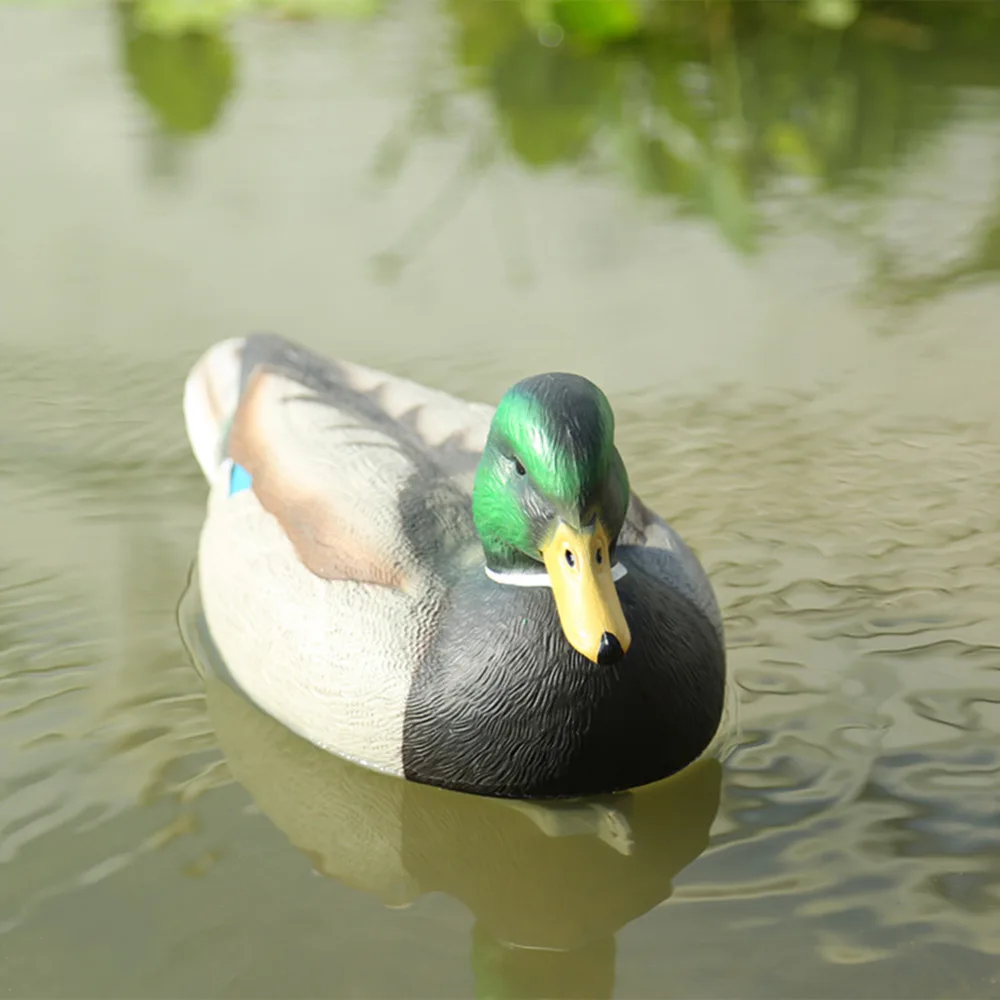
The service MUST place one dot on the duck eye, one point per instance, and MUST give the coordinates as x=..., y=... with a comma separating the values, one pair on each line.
x=599, y=557
x=570, y=561
x=519, y=467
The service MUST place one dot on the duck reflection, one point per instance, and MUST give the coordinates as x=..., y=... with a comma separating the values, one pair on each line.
x=549, y=884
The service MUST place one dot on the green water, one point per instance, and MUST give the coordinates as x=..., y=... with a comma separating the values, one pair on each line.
x=770, y=231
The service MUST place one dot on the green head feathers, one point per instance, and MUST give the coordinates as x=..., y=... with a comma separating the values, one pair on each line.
x=550, y=454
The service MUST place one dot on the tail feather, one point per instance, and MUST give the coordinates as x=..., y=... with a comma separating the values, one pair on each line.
x=211, y=395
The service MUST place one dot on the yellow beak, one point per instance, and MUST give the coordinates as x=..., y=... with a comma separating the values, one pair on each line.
x=579, y=566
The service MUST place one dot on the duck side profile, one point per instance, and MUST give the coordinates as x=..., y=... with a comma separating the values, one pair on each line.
x=464, y=596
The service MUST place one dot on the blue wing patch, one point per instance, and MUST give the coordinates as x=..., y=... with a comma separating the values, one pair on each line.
x=239, y=479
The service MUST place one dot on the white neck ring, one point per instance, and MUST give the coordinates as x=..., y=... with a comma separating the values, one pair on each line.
x=539, y=577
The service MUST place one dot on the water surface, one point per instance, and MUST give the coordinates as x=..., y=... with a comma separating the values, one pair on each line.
x=772, y=241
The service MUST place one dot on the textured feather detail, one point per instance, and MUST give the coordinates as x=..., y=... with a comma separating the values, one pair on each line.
x=333, y=447
x=440, y=433
x=329, y=580
x=331, y=484
x=368, y=475
x=332, y=660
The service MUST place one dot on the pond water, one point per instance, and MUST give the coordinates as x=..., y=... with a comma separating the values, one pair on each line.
x=774, y=239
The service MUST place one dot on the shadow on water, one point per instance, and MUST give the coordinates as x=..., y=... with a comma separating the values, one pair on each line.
x=549, y=884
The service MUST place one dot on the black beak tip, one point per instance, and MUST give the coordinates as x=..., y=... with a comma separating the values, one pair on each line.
x=610, y=650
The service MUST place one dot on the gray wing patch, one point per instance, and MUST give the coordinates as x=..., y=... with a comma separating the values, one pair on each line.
x=441, y=434
x=360, y=469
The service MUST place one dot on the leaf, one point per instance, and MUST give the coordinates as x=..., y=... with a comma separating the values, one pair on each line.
x=184, y=79
x=550, y=99
x=731, y=204
x=325, y=8
x=834, y=14
x=789, y=146
x=485, y=30
x=176, y=17
x=598, y=20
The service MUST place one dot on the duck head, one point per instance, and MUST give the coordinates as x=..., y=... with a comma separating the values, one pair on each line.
x=549, y=501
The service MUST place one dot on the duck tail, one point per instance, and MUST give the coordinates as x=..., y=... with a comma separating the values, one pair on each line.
x=211, y=395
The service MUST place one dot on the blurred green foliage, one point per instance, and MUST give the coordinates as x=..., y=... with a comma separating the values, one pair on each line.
x=712, y=105
x=184, y=78
x=175, y=17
